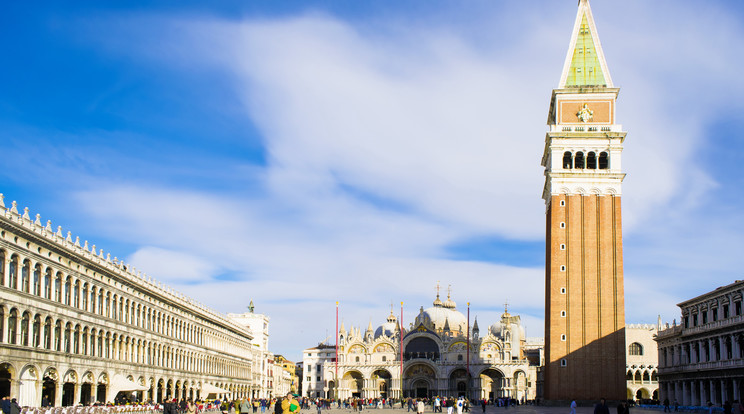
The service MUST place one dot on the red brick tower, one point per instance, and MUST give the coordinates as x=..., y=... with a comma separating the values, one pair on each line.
x=584, y=302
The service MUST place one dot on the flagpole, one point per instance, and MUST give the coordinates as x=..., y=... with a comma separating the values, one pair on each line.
x=336, y=379
x=468, y=361
x=401, y=350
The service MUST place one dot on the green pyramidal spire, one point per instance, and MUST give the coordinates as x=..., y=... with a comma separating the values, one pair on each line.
x=585, y=63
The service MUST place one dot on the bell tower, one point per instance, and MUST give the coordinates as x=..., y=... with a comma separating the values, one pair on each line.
x=584, y=300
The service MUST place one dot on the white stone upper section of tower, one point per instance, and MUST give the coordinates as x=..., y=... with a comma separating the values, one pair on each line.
x=584, y=144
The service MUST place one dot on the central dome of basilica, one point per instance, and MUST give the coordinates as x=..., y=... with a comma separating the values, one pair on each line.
x=443, y=316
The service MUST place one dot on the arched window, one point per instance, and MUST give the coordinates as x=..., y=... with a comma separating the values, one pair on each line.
x=637, y=376
x=591, y=161
x=567, y=164
x=645, y=376
x=25, y=276
x=13, y=270
x=84, y=342
x=48, y=284
x=68, y=336
x=58, y=335
x=25, y=321
x=37, y=331
x=68, y=289
x=37, y=280
x=76, y=340
x=635, y=349
x=48, y=333
x=357, y=359
x=629, y=376
x=58, y=288
x=604, y=162
x=85, y=297
x=13, y=327
x=579, y=160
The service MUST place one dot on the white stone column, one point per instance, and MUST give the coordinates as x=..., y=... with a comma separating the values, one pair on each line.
x=58, y=393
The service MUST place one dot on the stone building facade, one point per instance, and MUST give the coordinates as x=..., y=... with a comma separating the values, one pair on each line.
x=262, y=360
x=642, y=361
x=702, y=358
x=432, y=358
x=78, y=326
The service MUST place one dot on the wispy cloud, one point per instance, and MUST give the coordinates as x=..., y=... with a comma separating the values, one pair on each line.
x=385, y=143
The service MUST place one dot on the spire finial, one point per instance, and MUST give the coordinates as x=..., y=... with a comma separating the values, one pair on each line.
x=506, y=306
x=437, y=289
x=449, y=291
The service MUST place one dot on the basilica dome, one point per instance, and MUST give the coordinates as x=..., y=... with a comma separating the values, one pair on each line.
x=443, y=315
x=388, y=328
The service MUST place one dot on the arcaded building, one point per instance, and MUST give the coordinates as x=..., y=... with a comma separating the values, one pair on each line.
x=584, y=299
x=78, y=326
x=702, y=358
x=642, y=361
x=440, y=354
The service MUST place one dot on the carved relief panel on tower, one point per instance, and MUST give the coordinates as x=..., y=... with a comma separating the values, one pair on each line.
x=582, y=111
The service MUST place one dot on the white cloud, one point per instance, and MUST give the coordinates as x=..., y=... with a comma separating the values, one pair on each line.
x=449, y=134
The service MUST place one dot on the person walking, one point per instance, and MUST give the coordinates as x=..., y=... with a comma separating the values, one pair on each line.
x=601, y=408
x=14, y=407
x=420, y=406
x=573, y=407
x=460, y=405
x=6, y=405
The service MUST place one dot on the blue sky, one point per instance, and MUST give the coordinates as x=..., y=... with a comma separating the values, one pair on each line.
x=298, y=153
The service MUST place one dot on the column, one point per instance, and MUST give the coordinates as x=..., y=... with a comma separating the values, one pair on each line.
x=685, y=395
x=58, y=393
x=723, y=391
x=734, y=347
x=711, y=392
x=76, y=399
x=6, y=271
x=6, y=316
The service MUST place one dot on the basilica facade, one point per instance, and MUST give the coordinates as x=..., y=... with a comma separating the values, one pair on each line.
x=440, y=354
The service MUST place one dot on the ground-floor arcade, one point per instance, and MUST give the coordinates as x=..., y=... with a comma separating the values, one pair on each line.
x=426, y=379
x=697, y=391
x=65, y=383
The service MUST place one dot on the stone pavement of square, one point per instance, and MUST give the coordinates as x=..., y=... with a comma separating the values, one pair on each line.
x=521, y=409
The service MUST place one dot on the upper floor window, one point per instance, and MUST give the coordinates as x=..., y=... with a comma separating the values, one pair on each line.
x=635, y=349
x=591, y=161
x=579, y=160
x=567, y=161
x=603, y=161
